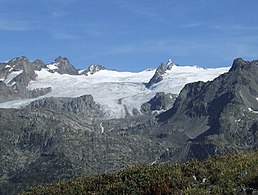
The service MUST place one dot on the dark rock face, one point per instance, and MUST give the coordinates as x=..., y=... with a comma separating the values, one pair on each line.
x=92, y=69
x=159, y=102
x=38, y=65
x=63, y=66
x=161, y=70
x=238, y=64
x=5, y=92
x=158, y=76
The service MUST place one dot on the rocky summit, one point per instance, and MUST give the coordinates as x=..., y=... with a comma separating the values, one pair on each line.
x=57, y=122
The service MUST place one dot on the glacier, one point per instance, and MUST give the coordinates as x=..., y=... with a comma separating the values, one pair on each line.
x=118, y=93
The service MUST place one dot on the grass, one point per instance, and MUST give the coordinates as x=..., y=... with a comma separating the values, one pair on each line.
x=223, y=175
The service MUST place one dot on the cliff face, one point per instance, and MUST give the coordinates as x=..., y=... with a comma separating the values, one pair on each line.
x=221, y=114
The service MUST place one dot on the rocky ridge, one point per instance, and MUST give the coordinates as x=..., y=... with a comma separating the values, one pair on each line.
x=62, y=66
x=92, y=69
x=161, y=70
x=15, y=76
x=218, y=116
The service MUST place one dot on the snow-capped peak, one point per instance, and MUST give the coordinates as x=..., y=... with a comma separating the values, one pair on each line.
x=92, y=69
x=170, y=64
x=96, y=67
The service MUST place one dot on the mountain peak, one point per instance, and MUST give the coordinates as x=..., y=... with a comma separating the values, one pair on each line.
x=170, y=64
x=62, y=59
x=161, y=70
x=92, y=69
x=18, y=60
x=62, y=66
x=238, y=63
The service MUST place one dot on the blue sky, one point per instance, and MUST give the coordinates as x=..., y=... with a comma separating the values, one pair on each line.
x=130, y=35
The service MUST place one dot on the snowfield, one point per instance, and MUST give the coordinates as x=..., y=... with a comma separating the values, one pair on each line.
x=116, y=92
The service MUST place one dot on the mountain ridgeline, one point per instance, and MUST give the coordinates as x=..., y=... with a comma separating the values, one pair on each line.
x=49, y=133
x=218, y=116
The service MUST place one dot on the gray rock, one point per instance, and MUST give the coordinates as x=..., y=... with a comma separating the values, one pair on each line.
x=161, y=70
x=65, y=137
x=38, y=65
x=92, y=69
x=16, y=87
x=160, y=102
x=158, y=76
x=63, y=66
x=28, y=74
x=83, y=106
x=217, y=116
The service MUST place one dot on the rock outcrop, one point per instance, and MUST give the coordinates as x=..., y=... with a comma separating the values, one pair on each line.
x=160, y=102
x=161, y=70
x=62, y=66
x=15, y=76
x=83, y=106
x=92, y=69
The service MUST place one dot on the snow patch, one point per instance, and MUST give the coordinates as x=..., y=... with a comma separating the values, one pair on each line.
x=52, y=66
x=7, y=66
x=102, y=128
x=11, y=76
x=170, y=62
x=253, y=111
x=158, y=111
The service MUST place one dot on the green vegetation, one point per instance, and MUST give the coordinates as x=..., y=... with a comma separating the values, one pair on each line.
x=224, y=175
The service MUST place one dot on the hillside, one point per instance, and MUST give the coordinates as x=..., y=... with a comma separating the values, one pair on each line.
x=224, y=175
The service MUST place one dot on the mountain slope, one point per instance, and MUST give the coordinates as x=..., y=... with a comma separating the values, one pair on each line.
x=219, y=115
x=109, y=120
x=43, y=145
